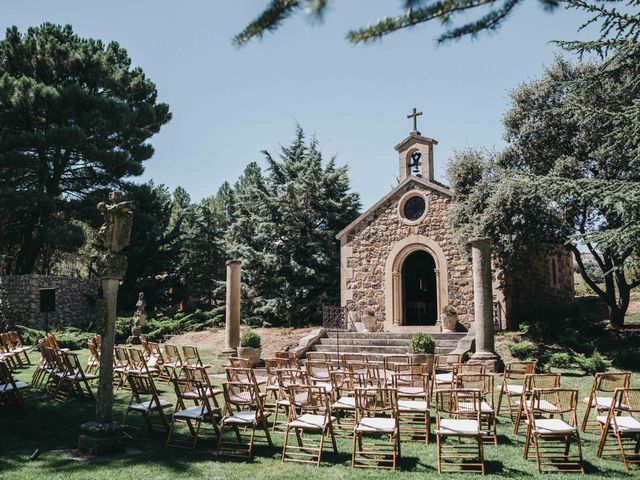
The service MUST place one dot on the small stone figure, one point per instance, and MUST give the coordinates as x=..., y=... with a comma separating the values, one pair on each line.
x=115, y=233
x=139, y=319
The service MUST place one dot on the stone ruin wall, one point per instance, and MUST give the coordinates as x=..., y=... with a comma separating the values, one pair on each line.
x=371, y=243
x=20, y=300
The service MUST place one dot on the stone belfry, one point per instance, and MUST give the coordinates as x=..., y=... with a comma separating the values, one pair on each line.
x=416, y=153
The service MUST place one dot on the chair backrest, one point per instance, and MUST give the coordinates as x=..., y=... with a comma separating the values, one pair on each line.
x=143, y=385
x=347, y=358
x=155, y=354
x=516, y=371
x=137, y=361
x=375, y=401
x=189, y=389
x=554, y=401
x=287, y=355
x=16, y=339
x=540, y=380
x=609, y=382
x=626, y=400
x=390, y=361
x=459, y=402
x=72, y=365
x=322, y=356
x=291, y=376
x=319, y=371
x=241, y=395
x=7, y=382
x=191, y=355
x=368, y=370
x=240, y=375
x=121, y=357
x=5, y=339
x=199, y=374
x=172, y=354
x=483, y=382
x=53, y=341
x=344, y=382
x=93, y=350
x=308, y=398
x=446, y=362
x=55, y=359
x=238, y=362
x=411, y=383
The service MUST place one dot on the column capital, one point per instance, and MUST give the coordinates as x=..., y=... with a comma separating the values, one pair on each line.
x=233, y=262
x=478, y=241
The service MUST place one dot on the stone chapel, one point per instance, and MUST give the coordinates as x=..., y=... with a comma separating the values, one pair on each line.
x=400, y=258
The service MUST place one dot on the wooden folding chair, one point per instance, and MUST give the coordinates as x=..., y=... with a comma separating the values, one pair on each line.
x=531, y=381
x=10, y=389
x=458, y=418
x=286, y=378
x=200, y=374
x=552, y=425
x=243, y=409
x=17, y=347
x=155, y=359
x=413, y=403
x=191, y=356
x=172, y=365
x=42, y=370
x=189, y=390
x=319, y=373
x=93, y=363
x=145, y=400
x=442, y=376
x=121, y=366
x=138, y=363
x=368, y=370
x=513, y=383
x=377, y=420
x=73, y=378
x=601, y=396
x=343, y=386
x=310, y=413
x=8, y=357
x=482, y=382
x=5, y=340
x=622, y=424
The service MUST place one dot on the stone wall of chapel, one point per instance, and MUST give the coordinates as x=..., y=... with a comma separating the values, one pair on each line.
x=366, y=249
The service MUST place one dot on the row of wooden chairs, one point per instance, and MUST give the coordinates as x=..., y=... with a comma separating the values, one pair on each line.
x=12, y=351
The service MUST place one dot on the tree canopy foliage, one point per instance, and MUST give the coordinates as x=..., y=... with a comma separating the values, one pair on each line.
x=75, y=117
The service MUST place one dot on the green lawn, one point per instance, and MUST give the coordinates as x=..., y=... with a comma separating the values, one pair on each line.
x=50, y=425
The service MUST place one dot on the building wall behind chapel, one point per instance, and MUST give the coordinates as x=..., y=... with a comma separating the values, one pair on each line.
x=365, y=251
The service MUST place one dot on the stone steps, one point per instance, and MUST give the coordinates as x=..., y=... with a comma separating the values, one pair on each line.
x=377, y=345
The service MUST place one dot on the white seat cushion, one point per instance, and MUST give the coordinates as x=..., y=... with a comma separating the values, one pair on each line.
x=552, y=425
x=245, y=417
x=457, y=426
x=600, y=402
x=412, y=391
x=484, y=407
x=376, y=424
x=311, y=422
x=326, y=386
x=413, y=406
x=7, y=387
x=444, y=377
x=348, y=403
x=149, y=406
x=625, y=424
x=193, y=413
x=513, y=389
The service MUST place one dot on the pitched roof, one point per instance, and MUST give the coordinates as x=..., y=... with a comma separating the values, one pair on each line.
x=438, y=187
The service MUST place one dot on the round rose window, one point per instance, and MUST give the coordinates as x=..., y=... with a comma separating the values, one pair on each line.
x=414, y=208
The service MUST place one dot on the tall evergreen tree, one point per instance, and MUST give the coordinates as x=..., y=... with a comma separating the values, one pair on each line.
x=74, y=117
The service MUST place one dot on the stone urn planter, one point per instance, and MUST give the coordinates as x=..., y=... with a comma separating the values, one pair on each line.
x=448, y=320
x=251, y=354
x=369, y=320
x=250, y=347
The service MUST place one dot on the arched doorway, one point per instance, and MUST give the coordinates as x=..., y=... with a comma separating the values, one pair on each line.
x=419, y=289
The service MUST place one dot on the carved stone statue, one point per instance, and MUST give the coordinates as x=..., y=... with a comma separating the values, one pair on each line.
x=115, y=233
x=140, y=316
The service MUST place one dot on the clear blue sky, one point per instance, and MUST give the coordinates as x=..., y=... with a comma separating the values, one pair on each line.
x=229, y=104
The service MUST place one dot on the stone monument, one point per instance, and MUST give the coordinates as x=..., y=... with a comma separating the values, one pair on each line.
x=103, y=435
x=139, y=319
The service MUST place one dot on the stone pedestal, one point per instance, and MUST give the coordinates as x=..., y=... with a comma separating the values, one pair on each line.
x=101, y=438
x=483, y=305
x=232, y=327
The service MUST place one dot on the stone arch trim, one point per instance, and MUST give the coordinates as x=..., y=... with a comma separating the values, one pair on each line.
x=393, y=279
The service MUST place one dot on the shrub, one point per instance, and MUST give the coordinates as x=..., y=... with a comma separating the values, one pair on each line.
x=560, y=360
x=627, y=359
x=449, y=310
x=595, y=363
x=250, y=339
x=523, y=350
x=68, y=337
x=422, y=343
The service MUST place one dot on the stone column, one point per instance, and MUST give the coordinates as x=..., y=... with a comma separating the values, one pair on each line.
x=483, y=304
x=103, y=435
x=232, y=327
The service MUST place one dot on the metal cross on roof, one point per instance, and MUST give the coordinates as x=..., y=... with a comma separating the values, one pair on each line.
x=415, y=116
